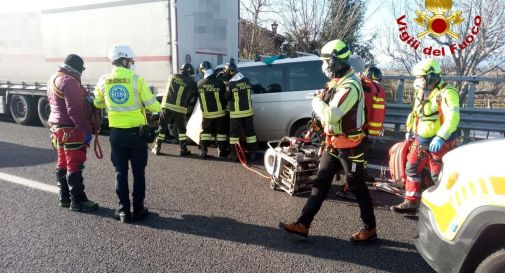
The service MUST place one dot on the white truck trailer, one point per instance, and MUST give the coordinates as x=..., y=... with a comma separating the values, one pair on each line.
x=163, y=34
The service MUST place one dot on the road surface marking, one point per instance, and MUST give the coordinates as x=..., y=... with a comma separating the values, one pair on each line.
x=28, y=183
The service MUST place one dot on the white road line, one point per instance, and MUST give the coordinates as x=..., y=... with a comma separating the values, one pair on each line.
x=28, y=183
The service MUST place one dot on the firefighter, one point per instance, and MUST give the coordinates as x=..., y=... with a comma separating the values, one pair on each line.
x=373, y=73
x=71, y=130
x=126, y=96
x=213, y=104
x=341, y=112
x=432, y=123
x=238, y=95
x=180, y=94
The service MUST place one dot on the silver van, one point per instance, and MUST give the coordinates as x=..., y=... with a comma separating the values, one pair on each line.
x=283, y=92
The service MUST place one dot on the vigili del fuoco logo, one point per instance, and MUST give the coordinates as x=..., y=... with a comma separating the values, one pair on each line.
x=439, y=21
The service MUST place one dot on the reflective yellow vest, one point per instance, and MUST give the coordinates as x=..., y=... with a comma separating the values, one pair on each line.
x=124, y=94
x=336, y=116
x=424, y=119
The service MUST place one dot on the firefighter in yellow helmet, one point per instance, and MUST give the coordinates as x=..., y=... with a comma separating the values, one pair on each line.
x=125, y=95
x=432, y=123
x=340, y=108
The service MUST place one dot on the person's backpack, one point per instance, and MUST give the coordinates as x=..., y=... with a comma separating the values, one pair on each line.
x=375, y=106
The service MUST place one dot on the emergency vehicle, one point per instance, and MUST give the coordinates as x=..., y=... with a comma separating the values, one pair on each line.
x=462, y=218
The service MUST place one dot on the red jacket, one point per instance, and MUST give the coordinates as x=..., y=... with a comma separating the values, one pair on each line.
x=73, y=109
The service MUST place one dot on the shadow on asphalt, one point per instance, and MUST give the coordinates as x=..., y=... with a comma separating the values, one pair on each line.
x=380, y=255
x=31, y=155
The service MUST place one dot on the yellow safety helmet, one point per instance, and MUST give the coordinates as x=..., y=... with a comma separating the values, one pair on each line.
x=336, y=49
x=336, y=55
x=429, y=69
x=427, y=66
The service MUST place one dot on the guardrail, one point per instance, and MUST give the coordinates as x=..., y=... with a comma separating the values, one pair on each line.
x=476, y=119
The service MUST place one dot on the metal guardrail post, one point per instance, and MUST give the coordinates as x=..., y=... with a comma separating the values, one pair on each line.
x=399, y=91
x=471, y=95
x=399, y=99
x=470, y=102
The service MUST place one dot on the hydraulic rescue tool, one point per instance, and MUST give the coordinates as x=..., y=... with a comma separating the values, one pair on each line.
x=292, y=163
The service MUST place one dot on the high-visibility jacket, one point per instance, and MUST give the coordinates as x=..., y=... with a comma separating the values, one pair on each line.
x=179, y=91
x=124, y=95
x=238, y=95
x=436, y=113
x=212, y=97
x=344, y=113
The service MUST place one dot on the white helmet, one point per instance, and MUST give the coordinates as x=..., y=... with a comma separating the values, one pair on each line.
x=121, y=51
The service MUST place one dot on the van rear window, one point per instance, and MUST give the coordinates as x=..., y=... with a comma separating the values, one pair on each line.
x=305, y=76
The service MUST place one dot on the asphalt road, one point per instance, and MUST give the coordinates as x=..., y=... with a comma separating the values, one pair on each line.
x=208, y=216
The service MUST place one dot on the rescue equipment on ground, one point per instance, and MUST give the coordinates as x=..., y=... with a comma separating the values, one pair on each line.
x=397, y=162
x=375, y=107
x=292, y=163
x=397, y=177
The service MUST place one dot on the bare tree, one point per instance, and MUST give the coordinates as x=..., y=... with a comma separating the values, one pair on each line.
x=304, y=21
x=403, y=56
x=312, y=23
x=252, y=10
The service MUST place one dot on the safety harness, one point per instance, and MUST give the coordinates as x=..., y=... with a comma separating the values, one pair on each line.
x=68, y=131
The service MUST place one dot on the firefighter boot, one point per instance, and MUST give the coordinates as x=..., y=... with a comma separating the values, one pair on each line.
x=61, y=178
x=233, y=155
x=223, y=150
x=78, y=199
x=406, y=207
x=157, y=147
x=203, y=150
x=184, y=149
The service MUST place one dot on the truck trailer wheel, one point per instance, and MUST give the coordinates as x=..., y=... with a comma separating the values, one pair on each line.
x=43, y=109
x=494, y=263
x=22, y=109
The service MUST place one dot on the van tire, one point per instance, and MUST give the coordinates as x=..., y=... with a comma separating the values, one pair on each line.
x=23, y=109
x=43, y=109
x=299, y=129
x=494, y=263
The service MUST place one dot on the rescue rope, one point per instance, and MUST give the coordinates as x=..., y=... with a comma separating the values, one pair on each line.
x=241, y=156
x=97, y=148
x=95, y=123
